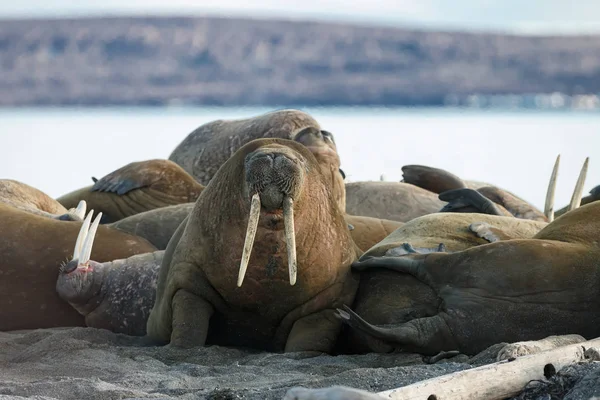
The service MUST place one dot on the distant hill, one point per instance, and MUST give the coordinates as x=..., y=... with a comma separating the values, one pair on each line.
x=219, y=61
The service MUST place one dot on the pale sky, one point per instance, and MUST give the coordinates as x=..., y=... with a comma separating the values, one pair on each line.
x=519, y=16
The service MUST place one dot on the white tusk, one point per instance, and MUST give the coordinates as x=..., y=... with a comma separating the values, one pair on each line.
x=290, y=237
x=549, y=208
x=82, y=235
x=578, y=192
x=250, y=233
x=86, y=252
x=80, y=210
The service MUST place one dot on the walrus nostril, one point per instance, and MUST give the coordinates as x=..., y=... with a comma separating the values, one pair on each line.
x=71, y=266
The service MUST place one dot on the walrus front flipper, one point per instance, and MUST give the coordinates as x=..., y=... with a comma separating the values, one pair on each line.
x=408, y=264
x=422, y=335
x=461, y=198
x=433, y=179
x=190, y=319
x=488, y=232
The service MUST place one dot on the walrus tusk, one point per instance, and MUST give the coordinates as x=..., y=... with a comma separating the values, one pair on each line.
x=86, y=251
x=82, y=235
x=250, y=233
x=578, y=192
x=549, y=208
x=290, y=237
x=80, y=210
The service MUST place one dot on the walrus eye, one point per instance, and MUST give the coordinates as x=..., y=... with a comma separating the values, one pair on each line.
x=343, y=174
x=328, y=136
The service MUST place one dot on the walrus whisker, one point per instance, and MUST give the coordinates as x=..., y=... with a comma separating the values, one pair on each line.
x=578, y=192
x=83, y=231
x=549, y=208
x=81, y=208
x=86, y=252
x=290, y=237
x=250, y=233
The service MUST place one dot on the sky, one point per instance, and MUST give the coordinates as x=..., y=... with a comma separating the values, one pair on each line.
x=515, y=16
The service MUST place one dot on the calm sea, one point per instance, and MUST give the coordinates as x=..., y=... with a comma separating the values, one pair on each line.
x=59, y=150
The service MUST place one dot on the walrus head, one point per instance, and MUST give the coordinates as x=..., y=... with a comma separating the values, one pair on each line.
x=322, y=145
x=80, y=279
x=274, y=177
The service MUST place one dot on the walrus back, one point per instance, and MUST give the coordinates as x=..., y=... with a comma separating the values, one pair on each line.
x=204, y=150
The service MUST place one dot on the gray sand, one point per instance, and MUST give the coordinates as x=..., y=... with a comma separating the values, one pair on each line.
x=88, y=363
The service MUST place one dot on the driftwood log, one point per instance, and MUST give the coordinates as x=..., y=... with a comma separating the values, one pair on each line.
x=490, y=382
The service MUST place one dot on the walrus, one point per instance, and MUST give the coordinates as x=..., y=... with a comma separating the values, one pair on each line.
x=204, y=150
x=443, y=183
x=231, y=277
x=24, y=197
x=136, y=187
x=394, y=201
x=117, y=294
x=32, y=248
x=507, y=291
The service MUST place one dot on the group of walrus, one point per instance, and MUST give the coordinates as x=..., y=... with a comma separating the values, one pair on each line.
x=249, y=235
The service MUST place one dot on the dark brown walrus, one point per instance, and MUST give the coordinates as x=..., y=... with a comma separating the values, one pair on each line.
x=204, y=150
x=507, y=291
x=289, y=292
x=135, y=188
x=31, y=251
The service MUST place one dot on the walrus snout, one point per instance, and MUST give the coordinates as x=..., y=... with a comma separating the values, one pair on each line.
x=76, y=282
x=274, y=179
x=274, y=175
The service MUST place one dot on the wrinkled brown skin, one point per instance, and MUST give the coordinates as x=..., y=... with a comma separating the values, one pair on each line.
x=197, y=299
x=394, y=201
x=514, y=205
x=433, y=179
x=593, y=196
x=204, y=150
x=28, y=198
x=508, y=291
x=387, y=297
x=135, y=188
x=31, y=251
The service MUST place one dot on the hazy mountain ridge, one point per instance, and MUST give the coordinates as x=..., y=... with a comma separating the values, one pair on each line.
x=218, y=61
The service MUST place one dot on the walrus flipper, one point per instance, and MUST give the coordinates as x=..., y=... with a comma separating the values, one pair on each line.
x=407, y=248
x=408, y=264
x=191, y=315
x=461, y=198
x=433, y=179
x=488, y=232
x=423, y=335
x=128, y=178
